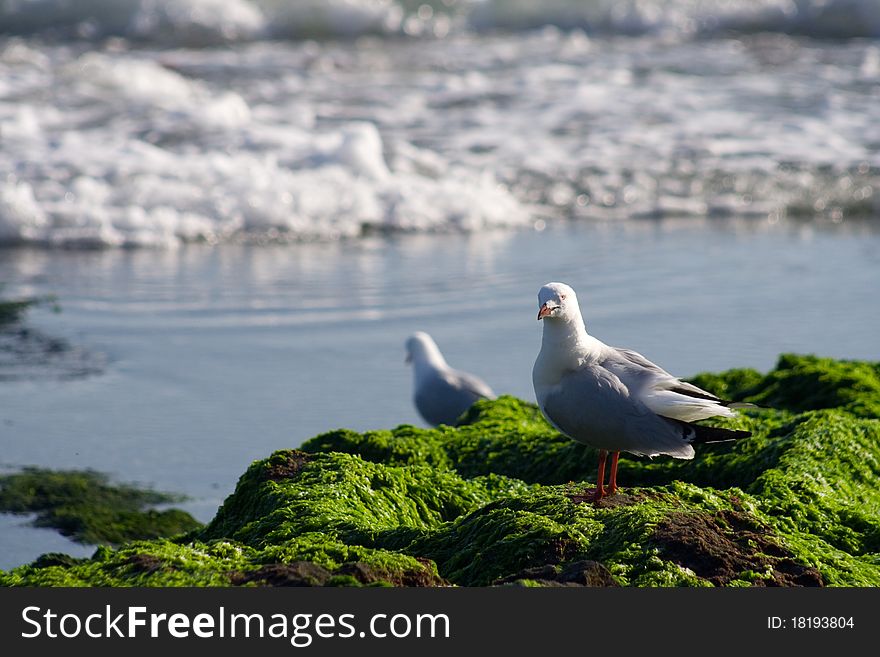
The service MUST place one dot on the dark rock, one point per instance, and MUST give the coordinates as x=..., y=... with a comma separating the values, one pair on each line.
x=725, y=546
x=298, y=573
x=577, y=573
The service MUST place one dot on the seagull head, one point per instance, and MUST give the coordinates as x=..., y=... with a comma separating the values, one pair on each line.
x=420, y=347
x=557, y=301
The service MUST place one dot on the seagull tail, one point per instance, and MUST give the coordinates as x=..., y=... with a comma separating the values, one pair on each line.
x=698, y=433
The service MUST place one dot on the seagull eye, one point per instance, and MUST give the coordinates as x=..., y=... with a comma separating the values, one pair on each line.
x=562, y=297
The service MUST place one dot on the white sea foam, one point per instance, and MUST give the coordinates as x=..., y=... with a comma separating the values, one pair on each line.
x=144, y=156
x=123, y=143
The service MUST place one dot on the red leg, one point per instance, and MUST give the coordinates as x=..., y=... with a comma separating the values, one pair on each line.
x=612, y=487
x=600, y=478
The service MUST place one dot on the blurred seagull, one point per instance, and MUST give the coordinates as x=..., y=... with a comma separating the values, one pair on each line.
x=615, y=400
x=441, y=394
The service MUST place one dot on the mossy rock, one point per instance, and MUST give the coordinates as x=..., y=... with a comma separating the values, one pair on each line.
x=506, y=436
x=803, y=383
x=294, y=493
x=504, y=500
x=12, y=311
x=86, y=507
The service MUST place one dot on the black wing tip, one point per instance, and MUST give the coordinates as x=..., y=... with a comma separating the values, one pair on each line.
x=728, y=403
x=704, y=434
x=699, y=434
x=701, y=395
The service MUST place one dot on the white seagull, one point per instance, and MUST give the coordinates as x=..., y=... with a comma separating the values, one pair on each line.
x=441, y=393
x=615, y=400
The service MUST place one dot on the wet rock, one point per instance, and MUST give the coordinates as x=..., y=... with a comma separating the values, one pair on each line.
x=85, y=506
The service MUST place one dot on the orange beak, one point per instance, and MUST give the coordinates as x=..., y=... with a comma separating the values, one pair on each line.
x=545, y=311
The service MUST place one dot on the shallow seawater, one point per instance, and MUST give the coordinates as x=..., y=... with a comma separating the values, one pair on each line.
x=22, y=542
x=217, y=356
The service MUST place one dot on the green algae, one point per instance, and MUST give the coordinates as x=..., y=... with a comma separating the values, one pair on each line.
x=731, y=384
x=406, y=445
x=181, y=562
x=803, y=383
x=12, y=311
x=85, y=506
x=293, y=493
x=826, y=482
x=506, y=436
x=502, y=499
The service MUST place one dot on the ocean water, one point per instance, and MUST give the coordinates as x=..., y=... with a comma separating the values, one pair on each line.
x=245, y=207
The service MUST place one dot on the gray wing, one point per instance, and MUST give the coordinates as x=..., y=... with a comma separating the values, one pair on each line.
x=470, y=383
x=593, y=406
x=639, y=374
x=443, y=398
